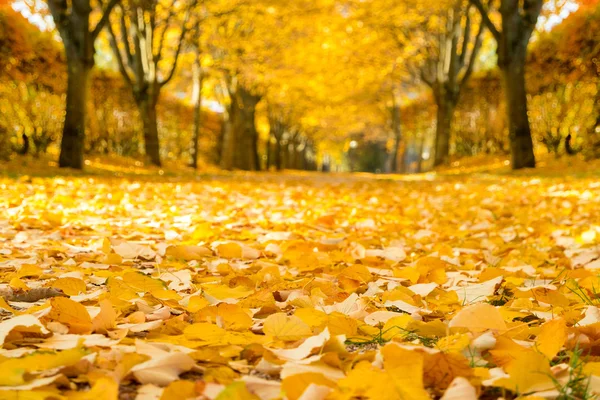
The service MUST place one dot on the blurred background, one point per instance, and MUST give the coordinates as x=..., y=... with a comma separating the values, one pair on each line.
x=384, y=86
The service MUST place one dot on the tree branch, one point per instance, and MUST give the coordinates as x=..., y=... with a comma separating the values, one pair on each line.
x=473, y=58
x=117, y=53
x=58, y=9
x=125, y=38
x=466, y=39
x=426, y=79
x=531, y=12
x=179, y=47
x=161, y=41
x=104, y=19
x=485, y=18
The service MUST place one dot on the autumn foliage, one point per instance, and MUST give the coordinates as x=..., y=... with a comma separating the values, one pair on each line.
x=299, y=288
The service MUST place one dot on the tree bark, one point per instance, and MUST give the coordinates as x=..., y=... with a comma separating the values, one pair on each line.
x=197, y=77
x=518, y=23
x=147, y=108
x=228, y=141
x=521, y=143
x=73, y=138
x=243, y=138
x=445, y=113
x=420, y=155
x=278, y=151
x=397, y=131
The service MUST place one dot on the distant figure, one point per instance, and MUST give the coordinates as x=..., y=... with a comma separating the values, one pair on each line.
x=25, y=149
x=568, y=148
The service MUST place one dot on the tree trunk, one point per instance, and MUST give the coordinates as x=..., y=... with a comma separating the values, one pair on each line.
x=278, y=151
x=292, y=151
x=147, y=107
x=402, y=161
x=420, y=155
x=445, y=113
x=269, y=149
x=243, y=139
x=197, y=101
x=521, y=143
x=594, y=130
x=228, y=141
x=397, y=131
x=73, y=138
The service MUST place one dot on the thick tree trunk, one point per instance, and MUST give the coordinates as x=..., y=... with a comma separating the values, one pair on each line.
x=593, y=150
x=73, y=138
x=521, y=143
x=269, y=149
x=147, y=108
x=303, y=160
x=397, y=131
x=402, y=157
x=292, y=151
x=420, y=155
x=227, y=141
x=243, y=138
x=197, y=101
x=445, y=113
x=278, y=151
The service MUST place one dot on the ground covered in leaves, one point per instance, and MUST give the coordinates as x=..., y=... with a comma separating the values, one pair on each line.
x=300, y=287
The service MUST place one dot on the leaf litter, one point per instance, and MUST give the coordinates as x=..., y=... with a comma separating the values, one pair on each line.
x=273, y=287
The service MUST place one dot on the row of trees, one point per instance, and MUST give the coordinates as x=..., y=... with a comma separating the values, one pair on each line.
x=297, y=83
x=562, y=88
x=32, y=97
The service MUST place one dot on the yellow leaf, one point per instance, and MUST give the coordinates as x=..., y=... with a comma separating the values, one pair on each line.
x=228, y=316
x=203, y=231
x=229, y=250
x=5, y=306
x=120, y=290
x=13, y=369
x=592, y=368
x=505, y=351
x=188, y=252
x=454, y=343
x=205, y=332
x=69, y=286
x=311, y=317
x=28, y=395
x=70, y=313
x=529, y=372
x=340, y=324
x=103, y=389
x=29, y=270
x=12, y=376
x=222, y=292
x=286, y=328
x=17, y=283
x=396, y=326
x=409, y=273
x=405, y=368
x=236, y=391
x=398, y=382
x=552, y=337
x=163, y=294
x=179, y=390
x=293, y=386
x=106, y=319
x=478, y=318
x=143, y=283
x=197, y=303
x=357, y=272
x=440, y=369
x=25, y=323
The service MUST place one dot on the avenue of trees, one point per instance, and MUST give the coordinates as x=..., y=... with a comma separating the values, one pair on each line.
x=379, y=85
